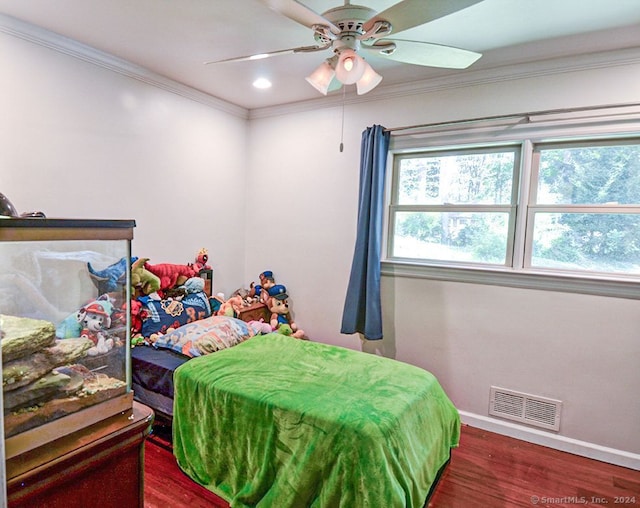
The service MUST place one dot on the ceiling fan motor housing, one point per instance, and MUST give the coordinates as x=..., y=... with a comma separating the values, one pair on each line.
x=350, y=20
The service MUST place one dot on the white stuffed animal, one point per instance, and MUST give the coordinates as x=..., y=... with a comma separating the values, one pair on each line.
x=94, y=319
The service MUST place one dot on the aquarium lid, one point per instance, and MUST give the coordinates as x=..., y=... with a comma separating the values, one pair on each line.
x=36, y=228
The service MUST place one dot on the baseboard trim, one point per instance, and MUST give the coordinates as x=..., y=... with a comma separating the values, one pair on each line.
x=562, y=443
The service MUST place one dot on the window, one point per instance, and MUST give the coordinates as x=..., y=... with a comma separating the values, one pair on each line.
x=564, y=210
x=584, y=213
x=455, y=206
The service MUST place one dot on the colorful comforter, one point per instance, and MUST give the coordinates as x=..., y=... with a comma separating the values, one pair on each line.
x=279, y=422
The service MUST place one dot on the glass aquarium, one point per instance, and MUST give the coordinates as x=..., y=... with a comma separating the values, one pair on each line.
x=65, y=326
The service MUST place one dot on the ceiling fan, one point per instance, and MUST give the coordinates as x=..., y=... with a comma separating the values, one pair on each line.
x=351, y=30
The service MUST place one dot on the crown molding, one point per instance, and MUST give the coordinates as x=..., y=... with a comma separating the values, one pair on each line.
x=468, y=79
x=45, y=38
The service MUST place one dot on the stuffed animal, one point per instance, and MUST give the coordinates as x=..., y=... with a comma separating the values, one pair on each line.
x=138, y=314
x=94, y=319
x=171, y=275
x=259, y=327
x=260, y=291
x=112, y=278
x=71, y=326
x=137, y=340
x=281, y=320
x=231, y=307
x=194, y=285
x=246, y=298
x=142, y=279
x=201, y=260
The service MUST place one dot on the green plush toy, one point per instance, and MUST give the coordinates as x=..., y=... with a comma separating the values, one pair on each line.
x=139, y=339
x=285, y=329
x=142, y=279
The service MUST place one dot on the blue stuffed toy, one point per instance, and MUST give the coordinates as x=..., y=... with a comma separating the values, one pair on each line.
x=112, y=278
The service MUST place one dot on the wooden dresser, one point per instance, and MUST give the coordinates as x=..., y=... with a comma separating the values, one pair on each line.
x=101, y=465
x=255, y=312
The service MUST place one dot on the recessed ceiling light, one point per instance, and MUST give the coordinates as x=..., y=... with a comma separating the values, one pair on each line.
x=262, y=83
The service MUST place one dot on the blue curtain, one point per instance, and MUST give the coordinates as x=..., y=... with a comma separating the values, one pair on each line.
x=362, y=308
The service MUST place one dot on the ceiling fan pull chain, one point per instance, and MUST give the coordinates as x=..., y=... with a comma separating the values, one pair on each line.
x=344, y=92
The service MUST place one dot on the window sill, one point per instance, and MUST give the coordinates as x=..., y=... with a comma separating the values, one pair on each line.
x=568, y=283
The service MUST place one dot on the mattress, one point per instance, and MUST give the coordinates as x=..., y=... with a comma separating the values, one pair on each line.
x=152, y=377
x=280, y=422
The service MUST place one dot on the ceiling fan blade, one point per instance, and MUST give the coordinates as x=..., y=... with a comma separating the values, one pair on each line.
x=260, y=56
x=424, y=53
x=300, y=13
x=409, y=13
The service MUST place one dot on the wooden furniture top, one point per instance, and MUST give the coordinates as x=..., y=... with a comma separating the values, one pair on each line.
x=128, y=425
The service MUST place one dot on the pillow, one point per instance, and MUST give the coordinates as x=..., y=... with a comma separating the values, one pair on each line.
x=205, y=336
x=165, y=314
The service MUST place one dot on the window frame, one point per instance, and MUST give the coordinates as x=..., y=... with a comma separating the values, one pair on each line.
x=510, y=209
x=533, y=207
x=586, y=126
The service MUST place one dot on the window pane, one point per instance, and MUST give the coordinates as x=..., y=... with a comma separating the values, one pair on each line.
x=471, y=178
x=587, y=241
x=451, y=236
x=590, y=175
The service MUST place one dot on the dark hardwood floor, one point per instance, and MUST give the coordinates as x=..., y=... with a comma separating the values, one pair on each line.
x=487, y=471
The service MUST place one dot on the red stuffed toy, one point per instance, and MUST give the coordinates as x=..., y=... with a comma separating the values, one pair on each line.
x=171, y=275
x=138, y=315
x=201, y=260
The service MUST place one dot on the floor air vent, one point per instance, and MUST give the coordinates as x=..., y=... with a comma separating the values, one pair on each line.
x=525, y=408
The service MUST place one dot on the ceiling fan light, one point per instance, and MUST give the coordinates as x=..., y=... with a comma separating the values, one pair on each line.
x=350, y=67
x=321, y=78
x=369, y=80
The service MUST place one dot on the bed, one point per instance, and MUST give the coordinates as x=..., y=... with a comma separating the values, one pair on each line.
x=279, y=422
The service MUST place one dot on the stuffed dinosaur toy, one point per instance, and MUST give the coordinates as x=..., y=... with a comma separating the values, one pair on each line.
x=142, y=279
x=170, y=275
x=110, y=279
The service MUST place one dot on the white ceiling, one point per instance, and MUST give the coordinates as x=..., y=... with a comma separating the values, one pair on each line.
x=173, y=38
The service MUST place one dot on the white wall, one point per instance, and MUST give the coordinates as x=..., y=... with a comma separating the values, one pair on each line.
x=80, y=141
x=583, y=350
x=303, y=226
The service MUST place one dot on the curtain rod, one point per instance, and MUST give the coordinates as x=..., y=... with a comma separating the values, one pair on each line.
x=525, y=116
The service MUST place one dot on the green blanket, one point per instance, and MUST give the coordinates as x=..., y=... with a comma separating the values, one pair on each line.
x=279, y=422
